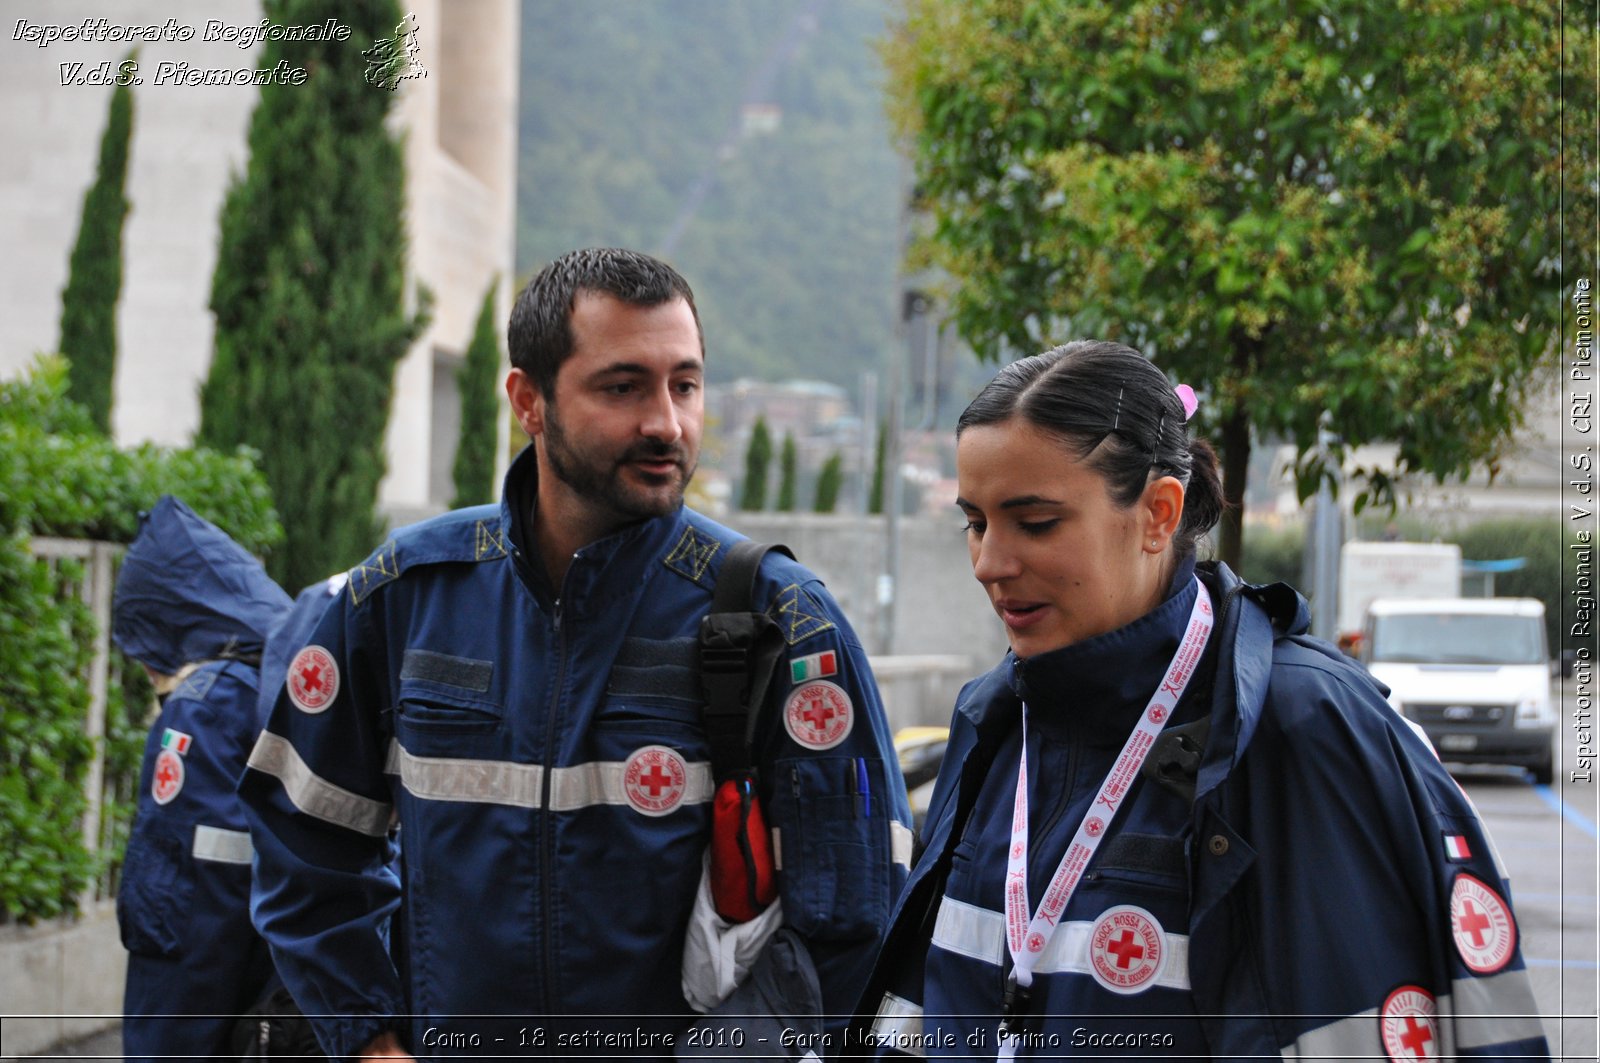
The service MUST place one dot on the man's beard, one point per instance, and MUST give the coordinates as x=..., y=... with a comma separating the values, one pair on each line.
x=599, y=479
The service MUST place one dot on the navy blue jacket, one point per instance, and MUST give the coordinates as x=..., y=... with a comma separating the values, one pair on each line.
x=1312, y=884
x=544, y=757
x=187, y=595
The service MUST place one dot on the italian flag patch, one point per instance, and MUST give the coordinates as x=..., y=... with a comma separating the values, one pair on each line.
x=816, y=666
x=1455, y=845
x=176, y=741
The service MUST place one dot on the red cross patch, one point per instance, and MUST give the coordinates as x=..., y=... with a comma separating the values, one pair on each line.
x=168, y=779
x=1127, y=949
x=818, y=714
x=313, y=679
x=1157, y=714
x=1481, y=923
x=654, y=779
x=1409, y=1024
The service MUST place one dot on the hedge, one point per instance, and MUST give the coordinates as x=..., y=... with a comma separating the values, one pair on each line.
x=60, y=477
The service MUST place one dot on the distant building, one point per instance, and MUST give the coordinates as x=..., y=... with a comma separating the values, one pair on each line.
x=459, y=120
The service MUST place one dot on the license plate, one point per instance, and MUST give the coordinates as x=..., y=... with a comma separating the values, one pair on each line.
x=1458, y=743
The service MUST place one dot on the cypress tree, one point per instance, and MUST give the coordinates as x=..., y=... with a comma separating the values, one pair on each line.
x=310, y=294
x=94, y=279
x=875, y=498
x=788, y=473
x=829, y=481
x=476, y=379
x=757, y=457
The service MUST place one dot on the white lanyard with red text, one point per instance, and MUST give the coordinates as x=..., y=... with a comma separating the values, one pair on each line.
x=1025, y=938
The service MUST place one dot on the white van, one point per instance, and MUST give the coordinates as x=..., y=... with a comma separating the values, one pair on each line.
x=1473, y=672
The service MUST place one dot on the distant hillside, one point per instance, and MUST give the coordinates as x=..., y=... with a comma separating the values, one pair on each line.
x=791, y=253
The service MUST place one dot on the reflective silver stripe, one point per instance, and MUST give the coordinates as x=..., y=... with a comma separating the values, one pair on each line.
x=503, y=782
x=496, y=782
x=222, y=846
x=980, y=934
x=599, y=782
x=898, y=1022
x=901, y=841
x=1493, y=1010
x=316, y=796
x=1497, y=1009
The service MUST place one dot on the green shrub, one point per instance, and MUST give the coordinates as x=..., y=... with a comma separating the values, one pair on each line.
x=60, y=477
x=1274, y=555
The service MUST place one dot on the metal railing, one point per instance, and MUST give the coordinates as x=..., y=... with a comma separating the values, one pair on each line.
x=94, y=589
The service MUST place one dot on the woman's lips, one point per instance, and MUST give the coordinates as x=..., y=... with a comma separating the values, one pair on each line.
x=1019, y=614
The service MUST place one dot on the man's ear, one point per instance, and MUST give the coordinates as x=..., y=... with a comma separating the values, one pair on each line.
x=527, y=402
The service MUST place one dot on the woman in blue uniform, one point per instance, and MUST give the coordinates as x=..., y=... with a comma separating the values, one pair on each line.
x=194, y=608
x=1169, y=824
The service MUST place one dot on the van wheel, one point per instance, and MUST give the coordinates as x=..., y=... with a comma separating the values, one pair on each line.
x=1544, y=771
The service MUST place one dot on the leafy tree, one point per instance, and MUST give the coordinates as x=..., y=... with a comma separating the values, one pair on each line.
x=309, y=292
x=94, y=277
x=879, y=459
x=1343, y=214
x=829, y=481
x=480, y=409
x=788, y=473
x=757, y=457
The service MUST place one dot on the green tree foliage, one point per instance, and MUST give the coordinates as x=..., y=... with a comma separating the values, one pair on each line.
x=615, y=141
x=757, y=459
x=94, y=277
x=60, y=476
x=788, y=475
x=480, y=410
x=1349, y=209
x=829, y=481
x=875, y=499
x=309, y=292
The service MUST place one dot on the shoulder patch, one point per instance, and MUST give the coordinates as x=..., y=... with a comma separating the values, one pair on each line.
x=798, y=614
x=197, y=684
x=382, y=567
x=489, y=541
x=691, y=555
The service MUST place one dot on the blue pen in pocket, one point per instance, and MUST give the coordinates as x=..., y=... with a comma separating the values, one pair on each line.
x=863, y=787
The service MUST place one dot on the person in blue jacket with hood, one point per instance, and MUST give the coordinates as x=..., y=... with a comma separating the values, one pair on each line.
x=1168, y=824
x=194, y=608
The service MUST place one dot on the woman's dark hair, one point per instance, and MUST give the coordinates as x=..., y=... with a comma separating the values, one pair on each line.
x=1116, y=412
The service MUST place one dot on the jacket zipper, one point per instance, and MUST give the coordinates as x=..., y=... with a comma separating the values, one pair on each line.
x=547, y=842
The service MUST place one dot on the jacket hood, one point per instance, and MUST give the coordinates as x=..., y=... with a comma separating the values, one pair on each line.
x=187, y=592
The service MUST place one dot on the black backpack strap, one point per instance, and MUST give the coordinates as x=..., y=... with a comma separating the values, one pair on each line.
x=739, y=648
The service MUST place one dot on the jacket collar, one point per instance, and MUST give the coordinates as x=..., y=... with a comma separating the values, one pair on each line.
x=1251, y=616
x=1094, y=691
x=1119, y=668
x=603, y=571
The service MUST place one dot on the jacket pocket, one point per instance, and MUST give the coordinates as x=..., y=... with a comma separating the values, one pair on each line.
x=834, y=846
x=156, y=889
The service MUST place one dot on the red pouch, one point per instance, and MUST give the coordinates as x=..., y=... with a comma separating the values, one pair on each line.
x=743, y=874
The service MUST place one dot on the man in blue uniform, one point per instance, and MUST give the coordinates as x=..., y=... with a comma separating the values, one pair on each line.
x=194, y=608
x=517, y=687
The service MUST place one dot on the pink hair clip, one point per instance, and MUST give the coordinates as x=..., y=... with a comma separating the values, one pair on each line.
x=1185, y=395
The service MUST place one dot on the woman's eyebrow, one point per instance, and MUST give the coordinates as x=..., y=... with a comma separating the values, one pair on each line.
x=1024, y=501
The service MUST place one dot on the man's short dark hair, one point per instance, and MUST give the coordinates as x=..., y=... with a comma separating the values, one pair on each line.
x=540, y=332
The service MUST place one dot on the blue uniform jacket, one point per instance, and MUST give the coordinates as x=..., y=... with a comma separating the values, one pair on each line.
x=188, y=595
x=543, y=754
x=1325, y=889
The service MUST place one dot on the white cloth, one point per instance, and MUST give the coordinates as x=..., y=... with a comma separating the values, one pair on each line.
x=717, y=954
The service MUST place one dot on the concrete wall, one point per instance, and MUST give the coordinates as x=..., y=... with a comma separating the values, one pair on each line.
x=940, y=608
x=459, y=123
x=64, y=977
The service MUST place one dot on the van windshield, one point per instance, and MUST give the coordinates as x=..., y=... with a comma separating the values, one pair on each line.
x=1457, y=638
